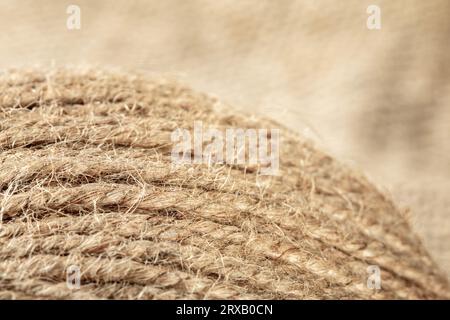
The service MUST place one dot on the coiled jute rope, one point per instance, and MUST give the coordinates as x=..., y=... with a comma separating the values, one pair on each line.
x=87, y=180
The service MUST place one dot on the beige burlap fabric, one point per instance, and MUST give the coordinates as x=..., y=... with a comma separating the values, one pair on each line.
x=87, y=180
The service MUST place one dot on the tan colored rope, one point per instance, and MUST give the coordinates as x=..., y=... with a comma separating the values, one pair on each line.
x=86, y=179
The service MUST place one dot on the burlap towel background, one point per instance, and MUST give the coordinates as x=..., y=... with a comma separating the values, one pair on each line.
x=377, y=99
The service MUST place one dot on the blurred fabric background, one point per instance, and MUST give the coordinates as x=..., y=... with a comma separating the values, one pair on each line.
x=378, y=100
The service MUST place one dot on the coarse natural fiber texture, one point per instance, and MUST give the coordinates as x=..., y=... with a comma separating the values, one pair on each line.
x=86, y=179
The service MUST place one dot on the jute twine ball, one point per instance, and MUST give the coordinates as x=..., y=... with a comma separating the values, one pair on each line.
x=88, y=184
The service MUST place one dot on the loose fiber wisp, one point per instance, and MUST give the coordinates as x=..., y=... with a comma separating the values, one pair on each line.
x=87, y=180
